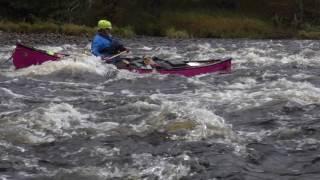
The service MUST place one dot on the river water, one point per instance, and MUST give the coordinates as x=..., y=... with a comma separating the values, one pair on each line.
x=79, y=119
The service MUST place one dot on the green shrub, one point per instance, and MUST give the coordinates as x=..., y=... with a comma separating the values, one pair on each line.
x=72, y=29
x=309, y=35
x=127, y=31
x=24, y=27
x=45, y=28
x=173, y=33
x=9, y=26
x=206, y=25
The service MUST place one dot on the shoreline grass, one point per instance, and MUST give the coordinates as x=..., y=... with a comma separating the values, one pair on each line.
x=180, y=25
x=223, y=24
x=64, y=29
x=217, y=25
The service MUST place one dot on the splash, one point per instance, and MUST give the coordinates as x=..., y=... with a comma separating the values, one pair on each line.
x=144, y=166
x=190, y=116
x=80, y=65
x=46, y=124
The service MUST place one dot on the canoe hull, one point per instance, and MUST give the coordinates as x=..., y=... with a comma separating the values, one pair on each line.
x=222, y=66
x=24, y=56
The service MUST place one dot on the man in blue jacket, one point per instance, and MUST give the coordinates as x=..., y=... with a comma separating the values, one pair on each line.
x=104, y=45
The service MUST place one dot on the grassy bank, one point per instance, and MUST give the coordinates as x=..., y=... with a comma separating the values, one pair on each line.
x=65, y=29
x=205, y=25
x=179, y=25
x=44, y=27
x=229, y=25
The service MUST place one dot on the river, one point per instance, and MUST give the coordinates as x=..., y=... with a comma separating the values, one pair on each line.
x=80, y=119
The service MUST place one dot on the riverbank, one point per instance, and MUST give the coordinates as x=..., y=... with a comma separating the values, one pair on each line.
x=49, y=33
x=10, y=38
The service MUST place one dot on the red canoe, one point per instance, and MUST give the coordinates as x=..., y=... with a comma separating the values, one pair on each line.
x=25, y=56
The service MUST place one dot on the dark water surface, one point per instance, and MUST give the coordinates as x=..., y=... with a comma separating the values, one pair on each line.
x=79, y=119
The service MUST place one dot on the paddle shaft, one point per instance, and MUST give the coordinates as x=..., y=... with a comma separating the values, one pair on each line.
x=71, y=54
x=112, y=57
x=7, y=60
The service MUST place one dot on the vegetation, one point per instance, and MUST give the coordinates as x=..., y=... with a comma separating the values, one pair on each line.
x=66, y=29
x=173, y=33
x=213, y=25
x=172, y=18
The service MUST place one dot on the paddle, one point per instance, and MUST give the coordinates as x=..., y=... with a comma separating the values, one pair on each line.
x=114, y=56
x=66, y=54
x=84, y=52
x=7, y=60
x=62, y=54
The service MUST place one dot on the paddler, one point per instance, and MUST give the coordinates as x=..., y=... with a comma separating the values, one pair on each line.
x=104, y=45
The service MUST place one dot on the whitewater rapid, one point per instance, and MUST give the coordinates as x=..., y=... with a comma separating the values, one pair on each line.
x=80, y=118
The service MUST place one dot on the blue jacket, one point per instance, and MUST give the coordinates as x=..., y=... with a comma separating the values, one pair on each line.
x=105, y=45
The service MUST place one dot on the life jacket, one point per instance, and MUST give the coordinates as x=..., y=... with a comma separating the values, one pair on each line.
x=101, y=45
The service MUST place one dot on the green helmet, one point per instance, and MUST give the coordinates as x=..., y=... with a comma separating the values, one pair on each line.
x=104, y=24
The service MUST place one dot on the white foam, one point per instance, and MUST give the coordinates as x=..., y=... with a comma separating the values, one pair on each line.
x=9, y=92
x=247, y=93
x=85, y=64
x=167, y=52
x=143, y=165
x=45, y=124
x=51, y=48
x=301, y=92
x=127, y=92
x=146, y=48
x=302, y=76
x=269, y=56
x=189, y=109
x=159, y=167
x=105, y=151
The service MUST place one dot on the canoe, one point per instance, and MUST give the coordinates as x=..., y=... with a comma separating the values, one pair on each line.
x=25, y=56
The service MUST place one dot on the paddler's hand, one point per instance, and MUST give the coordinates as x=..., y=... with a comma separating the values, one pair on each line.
x=126, y=62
